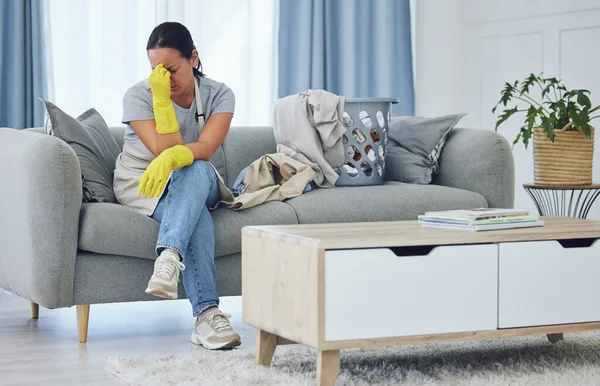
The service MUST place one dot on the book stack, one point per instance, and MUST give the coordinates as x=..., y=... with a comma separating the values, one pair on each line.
x=480, y=219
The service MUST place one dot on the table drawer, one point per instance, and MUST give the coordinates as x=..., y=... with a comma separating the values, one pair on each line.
x=543, y=283
x=376, y=293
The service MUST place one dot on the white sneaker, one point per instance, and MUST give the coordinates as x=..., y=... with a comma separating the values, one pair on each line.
x=214, y=332
x=163, y=282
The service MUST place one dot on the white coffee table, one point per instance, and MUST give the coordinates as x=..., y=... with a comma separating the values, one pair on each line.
x=355, y=285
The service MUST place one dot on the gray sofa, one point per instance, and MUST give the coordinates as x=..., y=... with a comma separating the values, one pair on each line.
x=58, y=252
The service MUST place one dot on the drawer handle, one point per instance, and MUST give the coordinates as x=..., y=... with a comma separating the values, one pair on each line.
x=577, y=243
x=419, y=250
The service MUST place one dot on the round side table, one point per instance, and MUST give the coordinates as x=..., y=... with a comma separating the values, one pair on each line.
x=566, y=200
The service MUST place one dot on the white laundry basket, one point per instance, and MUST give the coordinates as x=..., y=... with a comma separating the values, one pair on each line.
x=365, y=142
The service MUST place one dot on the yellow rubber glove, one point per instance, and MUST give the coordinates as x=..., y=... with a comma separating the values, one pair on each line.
x=164, y=113
x=155, y=177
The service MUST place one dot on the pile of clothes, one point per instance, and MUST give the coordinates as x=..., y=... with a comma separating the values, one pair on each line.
x=309, y=133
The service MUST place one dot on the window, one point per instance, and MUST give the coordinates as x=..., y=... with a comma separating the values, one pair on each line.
x=97, y=51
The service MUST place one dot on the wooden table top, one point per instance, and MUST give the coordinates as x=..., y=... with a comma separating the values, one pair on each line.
x=411, y=233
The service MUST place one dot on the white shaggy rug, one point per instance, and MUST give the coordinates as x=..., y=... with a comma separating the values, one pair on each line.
x=510, y=361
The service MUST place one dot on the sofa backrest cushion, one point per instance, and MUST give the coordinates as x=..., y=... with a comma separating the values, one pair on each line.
x=245, y=145
x=242, y=146
x=118, y=132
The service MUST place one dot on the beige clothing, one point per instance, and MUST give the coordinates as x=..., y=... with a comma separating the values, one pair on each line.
x=272, y=177
x=130, y=165
x=308, y=128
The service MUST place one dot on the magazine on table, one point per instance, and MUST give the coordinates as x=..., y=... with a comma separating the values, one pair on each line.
x=496, y=220
x=481, y=219
x=478, y=213
x=483, y=227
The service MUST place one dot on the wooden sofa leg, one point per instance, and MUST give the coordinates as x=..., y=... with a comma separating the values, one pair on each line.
x=83, y=316
x=35, y=310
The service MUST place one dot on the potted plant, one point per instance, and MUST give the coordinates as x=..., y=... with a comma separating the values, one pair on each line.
x=563, y=139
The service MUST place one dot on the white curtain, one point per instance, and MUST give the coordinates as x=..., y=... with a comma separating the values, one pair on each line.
x=98, y=50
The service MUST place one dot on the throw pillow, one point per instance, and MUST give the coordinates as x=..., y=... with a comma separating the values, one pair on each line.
x=415, y=145
x=95, y=146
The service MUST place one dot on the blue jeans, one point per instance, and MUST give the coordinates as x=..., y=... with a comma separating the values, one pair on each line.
x=187, y=227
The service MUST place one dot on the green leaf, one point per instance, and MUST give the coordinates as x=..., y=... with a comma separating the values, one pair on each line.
x=505, y=115
x=506, y=94
x=532, y=114
x=570, y=94
x=527, y=83
x=516, y=140
x=559, y=110
x=581, y=119
x=572, y=110
x=586, y=129
x=583, y=99
x=546, y=90
x=526, y=135
x=548, y=127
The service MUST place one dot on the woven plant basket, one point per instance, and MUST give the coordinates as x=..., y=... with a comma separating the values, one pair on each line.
x=566, y=161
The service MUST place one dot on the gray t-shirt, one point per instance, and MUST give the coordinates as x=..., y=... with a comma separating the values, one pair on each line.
x=135, y=157
x=137, y=105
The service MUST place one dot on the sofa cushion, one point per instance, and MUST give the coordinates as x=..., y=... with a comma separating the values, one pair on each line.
x=415, y=145
x=118, y=230
x=100, y=278
x=388, y=202
x=229, y=223
x=243, y=146
x=95, y=147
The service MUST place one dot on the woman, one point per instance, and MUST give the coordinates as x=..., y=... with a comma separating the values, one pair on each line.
x=163, y=172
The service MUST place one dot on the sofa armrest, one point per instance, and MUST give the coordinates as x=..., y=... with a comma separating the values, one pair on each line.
x=40, y=201
x=480, y=161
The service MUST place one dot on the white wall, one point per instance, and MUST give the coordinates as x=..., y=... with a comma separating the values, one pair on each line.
x=467, y=49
